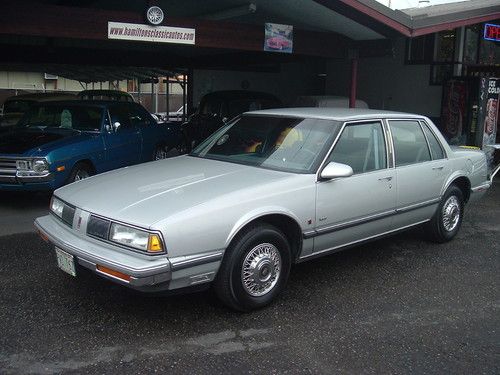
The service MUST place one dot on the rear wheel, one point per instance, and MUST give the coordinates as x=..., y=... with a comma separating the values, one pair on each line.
x=447, y=220
x=79, y=172
x=255, y=268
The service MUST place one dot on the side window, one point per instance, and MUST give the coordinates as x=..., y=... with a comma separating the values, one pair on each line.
x=362, y=147
x=436, y=149
x=410, y=145
x=119, y=113
x=138, y=117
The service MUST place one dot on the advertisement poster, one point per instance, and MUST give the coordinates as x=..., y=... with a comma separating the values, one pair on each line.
x=147, y=33
x=278, y=38
x=453, y=112
x=488, y=114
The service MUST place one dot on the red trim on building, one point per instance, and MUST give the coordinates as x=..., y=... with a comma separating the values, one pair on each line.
x=454, y=24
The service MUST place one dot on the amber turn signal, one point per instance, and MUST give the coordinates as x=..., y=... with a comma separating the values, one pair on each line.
x=154, y=244
x=110, y=272
x=61, y=168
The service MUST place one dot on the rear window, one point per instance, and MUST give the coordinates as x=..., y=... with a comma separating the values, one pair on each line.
x=16, y=106
x=410, y=145
x=83, y=118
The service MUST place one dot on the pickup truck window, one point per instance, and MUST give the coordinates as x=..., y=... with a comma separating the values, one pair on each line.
x=362, y=147
x=120, y=113
x=410, y=145
x=77, y=117
x=138, y=117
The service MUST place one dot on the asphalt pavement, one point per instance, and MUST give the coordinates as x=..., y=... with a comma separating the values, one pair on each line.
x=398, y=305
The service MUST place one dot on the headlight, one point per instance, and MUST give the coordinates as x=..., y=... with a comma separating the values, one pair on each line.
x=135, y=238
x=40, y=166
x=32, y=167
x=56, y=206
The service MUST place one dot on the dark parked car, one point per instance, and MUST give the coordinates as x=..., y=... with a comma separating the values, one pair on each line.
x=61, y=142
x=218, y=107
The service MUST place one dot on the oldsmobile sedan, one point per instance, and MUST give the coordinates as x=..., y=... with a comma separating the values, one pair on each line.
x=269, y=189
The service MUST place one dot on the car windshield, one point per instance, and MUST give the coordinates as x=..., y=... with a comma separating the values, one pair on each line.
x=281, y=143
x=83, y=118
x=16, y=106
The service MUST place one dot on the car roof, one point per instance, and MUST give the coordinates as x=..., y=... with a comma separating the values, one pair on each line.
x=87, y=103
x=98, y=92
x=43, y=96
x=339, y=114
x=239, y=94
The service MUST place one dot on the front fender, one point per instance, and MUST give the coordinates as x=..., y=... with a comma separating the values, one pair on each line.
x=256, y=214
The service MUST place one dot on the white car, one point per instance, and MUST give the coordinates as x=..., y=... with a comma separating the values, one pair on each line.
x=269, y=189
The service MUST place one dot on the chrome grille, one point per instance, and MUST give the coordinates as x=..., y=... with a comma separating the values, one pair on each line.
x=98, y=227
x=7, y=170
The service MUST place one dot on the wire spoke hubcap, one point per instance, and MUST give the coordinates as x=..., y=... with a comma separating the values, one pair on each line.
x=451, y=213
x=161, y=153
x=261, y=269
x=81, y=175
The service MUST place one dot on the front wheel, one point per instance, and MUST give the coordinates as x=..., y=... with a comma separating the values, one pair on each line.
x=80, y=172
x=255, y=268
x=447, y=220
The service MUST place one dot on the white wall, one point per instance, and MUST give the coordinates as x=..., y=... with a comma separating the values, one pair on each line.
x=387, y=83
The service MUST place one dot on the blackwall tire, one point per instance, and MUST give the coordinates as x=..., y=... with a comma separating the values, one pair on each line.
x=447, y=220
x=255, y=268
x=79, y=172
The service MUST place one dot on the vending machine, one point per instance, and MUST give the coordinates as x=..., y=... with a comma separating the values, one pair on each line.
x=469, y=112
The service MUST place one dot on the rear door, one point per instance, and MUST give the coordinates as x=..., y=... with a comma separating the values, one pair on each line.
x=420, y=168
x=361, y=206
x=123, y=146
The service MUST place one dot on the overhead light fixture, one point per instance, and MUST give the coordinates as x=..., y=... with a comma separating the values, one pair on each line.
x=238, y=11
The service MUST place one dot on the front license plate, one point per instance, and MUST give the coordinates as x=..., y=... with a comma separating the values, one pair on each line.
x=66, y=261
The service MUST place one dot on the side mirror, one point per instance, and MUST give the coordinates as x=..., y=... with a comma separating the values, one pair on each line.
x=116, y=126
x=336, y=170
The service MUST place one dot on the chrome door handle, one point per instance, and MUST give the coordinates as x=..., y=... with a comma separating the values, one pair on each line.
x=385, y=178
x=437, y=168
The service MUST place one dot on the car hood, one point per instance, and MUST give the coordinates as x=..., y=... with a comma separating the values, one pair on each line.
x=147, y=193
x=30, y=141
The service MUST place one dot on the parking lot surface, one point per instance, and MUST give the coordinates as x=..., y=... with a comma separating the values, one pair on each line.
x=398, y=305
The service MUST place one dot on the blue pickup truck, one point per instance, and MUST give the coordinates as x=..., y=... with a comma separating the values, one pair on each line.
x=56, y=143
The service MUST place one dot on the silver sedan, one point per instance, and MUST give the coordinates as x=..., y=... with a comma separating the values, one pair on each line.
x=269, y=189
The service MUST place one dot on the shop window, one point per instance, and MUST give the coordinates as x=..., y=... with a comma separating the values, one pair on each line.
x=420, y=50
x=471, y=43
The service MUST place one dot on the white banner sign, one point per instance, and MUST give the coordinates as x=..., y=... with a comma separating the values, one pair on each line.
x=146, y=33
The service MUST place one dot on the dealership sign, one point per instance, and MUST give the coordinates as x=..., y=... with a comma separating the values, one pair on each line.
x=146, y=33
x=492, y=32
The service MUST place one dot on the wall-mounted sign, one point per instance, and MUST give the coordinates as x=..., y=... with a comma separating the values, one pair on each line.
x=278, y=38
x=492, y=32
x=154, y=15
x=146, y=33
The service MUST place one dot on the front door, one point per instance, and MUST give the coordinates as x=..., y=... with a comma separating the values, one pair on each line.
x=361, y=206
x=123, y=145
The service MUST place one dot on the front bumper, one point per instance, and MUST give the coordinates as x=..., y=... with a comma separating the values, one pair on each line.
x=29, y=183
x=147, y=273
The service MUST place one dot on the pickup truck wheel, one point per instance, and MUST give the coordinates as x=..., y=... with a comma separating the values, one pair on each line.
x=446, y=222
x=161, y=152
x=182, y=147
x=79, y=172
x=255, y=268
